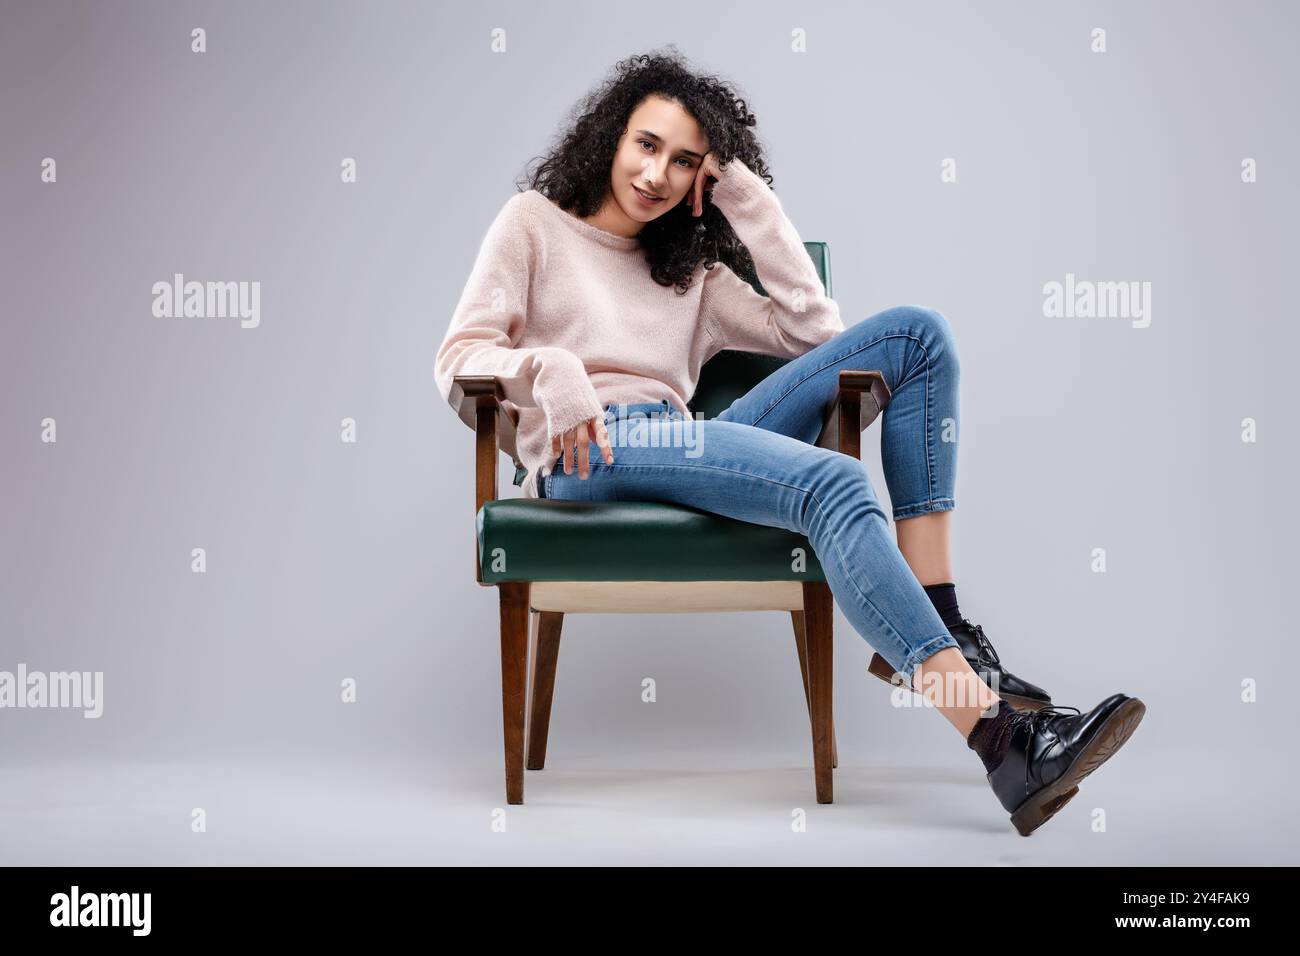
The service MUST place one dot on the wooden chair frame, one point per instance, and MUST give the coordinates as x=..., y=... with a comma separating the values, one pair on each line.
x=528, y=663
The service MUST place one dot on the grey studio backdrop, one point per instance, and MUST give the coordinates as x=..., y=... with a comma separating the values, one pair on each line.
x=329, y=560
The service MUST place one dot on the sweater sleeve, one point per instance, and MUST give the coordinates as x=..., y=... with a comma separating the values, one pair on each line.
x=489, y=320
x=796, y=315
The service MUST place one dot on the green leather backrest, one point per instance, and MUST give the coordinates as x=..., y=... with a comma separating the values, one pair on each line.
x=730, y=374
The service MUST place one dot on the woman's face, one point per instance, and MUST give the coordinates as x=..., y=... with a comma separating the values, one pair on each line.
x=659, y=154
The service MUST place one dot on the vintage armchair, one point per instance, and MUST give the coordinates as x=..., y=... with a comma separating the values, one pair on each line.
x=563, y=557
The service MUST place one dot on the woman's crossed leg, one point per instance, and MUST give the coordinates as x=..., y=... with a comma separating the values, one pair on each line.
x=763, y=477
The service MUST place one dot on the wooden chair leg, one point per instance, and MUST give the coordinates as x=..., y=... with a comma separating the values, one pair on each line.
x=542, y=658
x=514, y=665
x=818, y=623
x=801, y=647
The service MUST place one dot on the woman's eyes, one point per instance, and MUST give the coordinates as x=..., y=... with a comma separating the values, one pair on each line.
x=680, y=159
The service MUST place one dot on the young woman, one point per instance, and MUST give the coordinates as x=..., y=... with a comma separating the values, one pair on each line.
x=599, y=293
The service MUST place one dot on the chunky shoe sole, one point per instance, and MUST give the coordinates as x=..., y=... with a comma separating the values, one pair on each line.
x=880, y=668
x=1109, y=737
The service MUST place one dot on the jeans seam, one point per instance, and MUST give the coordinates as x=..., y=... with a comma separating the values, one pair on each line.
x=923, y=507
x=929, y=445
x=929, y=400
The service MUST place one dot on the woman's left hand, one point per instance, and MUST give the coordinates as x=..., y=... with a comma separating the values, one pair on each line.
x=708, y=170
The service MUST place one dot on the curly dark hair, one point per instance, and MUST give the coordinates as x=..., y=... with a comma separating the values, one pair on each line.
x=575, y=172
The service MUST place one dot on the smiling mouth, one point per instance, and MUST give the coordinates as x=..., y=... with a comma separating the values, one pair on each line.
x=647, y=196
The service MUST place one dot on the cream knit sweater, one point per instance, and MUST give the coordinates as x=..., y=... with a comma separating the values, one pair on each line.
x=567, y=317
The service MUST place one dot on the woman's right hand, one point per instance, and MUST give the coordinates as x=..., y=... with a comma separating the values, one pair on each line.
x=581, y=436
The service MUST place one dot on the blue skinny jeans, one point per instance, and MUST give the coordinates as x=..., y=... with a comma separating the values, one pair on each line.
x=757, y=462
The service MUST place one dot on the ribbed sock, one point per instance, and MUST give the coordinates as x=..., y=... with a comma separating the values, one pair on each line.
x=992, y=736
x=944, y=599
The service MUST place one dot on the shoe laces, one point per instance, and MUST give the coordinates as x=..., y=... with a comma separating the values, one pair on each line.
x=987, y=655
x=1031, y=720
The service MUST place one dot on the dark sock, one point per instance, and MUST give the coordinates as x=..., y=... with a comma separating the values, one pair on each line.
x=944, y=599
x=992, y=736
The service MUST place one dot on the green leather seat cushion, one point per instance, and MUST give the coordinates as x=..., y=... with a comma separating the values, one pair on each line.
x=538, y=539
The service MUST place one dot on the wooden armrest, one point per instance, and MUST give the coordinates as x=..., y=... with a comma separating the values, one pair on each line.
x=477, y=400
x=468, y=391
x=862, y=396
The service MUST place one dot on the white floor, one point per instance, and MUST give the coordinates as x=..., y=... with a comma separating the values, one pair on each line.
x=641, y=808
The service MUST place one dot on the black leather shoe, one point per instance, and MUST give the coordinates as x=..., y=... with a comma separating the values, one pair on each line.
x=1051, y=751
x=983, y=659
